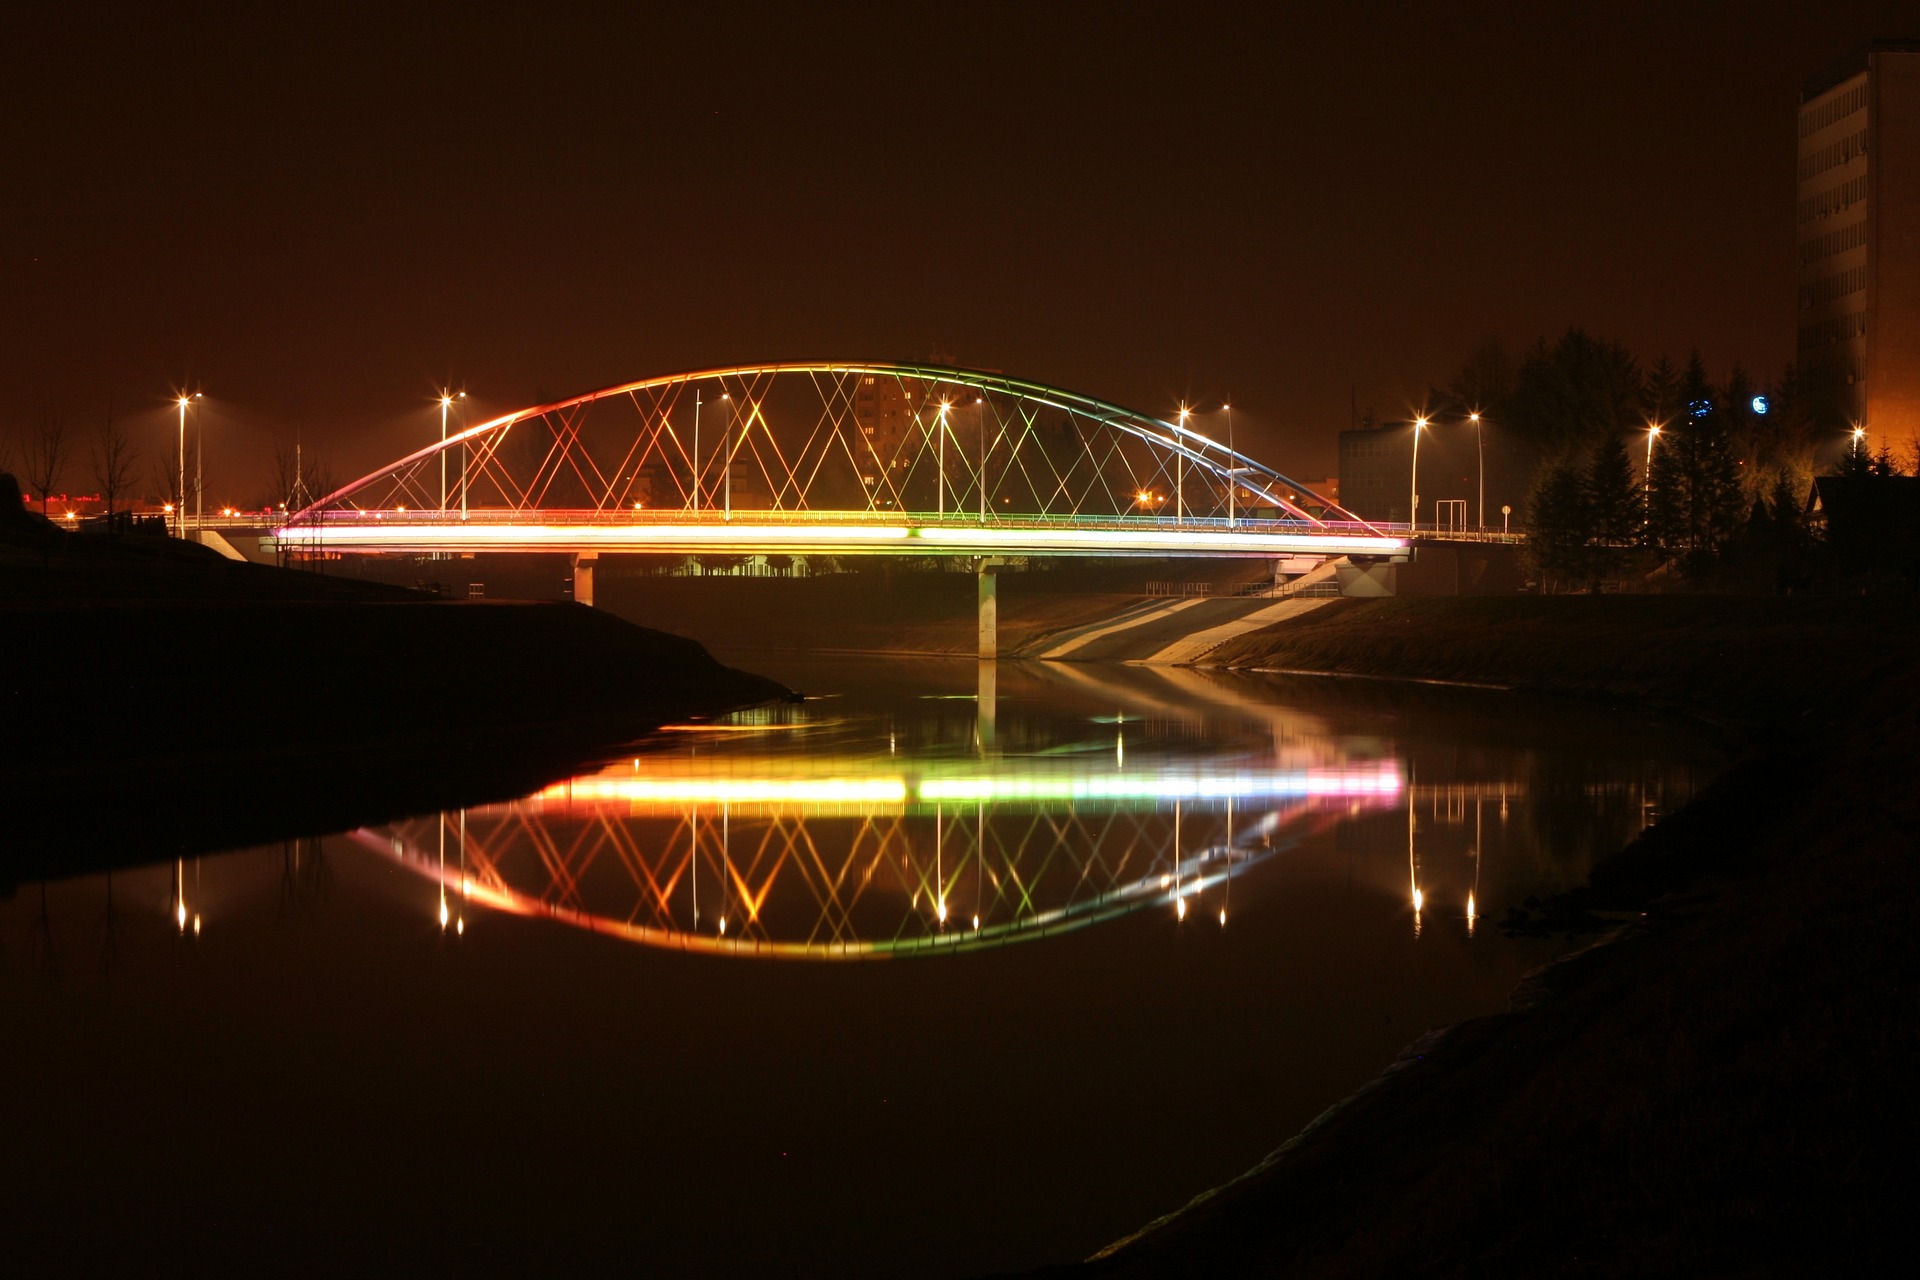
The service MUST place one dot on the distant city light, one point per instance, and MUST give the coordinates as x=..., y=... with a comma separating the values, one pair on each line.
x=1700, y=408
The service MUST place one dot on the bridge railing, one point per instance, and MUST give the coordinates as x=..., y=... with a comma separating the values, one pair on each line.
x=406, y=516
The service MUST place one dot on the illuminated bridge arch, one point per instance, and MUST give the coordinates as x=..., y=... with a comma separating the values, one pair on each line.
x=834, y=457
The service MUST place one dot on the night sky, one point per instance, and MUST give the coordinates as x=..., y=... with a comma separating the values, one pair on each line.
x=321, y=219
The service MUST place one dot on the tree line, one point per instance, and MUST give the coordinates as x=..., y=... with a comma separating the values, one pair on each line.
x=1628, y=467
x=47, y=455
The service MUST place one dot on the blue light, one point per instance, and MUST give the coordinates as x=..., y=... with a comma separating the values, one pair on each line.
x=1700, y=408
x=1760, y=405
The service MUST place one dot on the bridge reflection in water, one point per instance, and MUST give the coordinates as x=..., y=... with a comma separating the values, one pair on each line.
x=832, y=856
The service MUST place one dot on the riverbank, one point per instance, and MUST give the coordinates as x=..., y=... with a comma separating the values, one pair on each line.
x=161, y=701
x=1722, y=1087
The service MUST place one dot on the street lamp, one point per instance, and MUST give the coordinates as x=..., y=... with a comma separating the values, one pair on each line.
x=1413, y=487
x=693, y=499
x=1180, y=472
x=1859, y=434
x=726, y=470
x=940, y=450
x=1480, y=448
x=1653, y=433
x=446, y=402
x=1233, y=470
x=980, y=451
x=180, y=518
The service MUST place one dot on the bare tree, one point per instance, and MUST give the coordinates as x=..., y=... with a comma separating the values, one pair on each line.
x=46, y=457
x=287, y=476
x=114, y=456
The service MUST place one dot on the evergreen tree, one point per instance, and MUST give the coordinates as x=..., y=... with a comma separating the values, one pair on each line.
x=1613, y=507
x=1568, y=396
x=1613, y=499
x=1706, y=490
x=1558, y=521
x=1660, y=393
x=1666, y=494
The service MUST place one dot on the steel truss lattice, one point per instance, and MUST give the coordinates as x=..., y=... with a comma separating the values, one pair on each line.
x=826, y=439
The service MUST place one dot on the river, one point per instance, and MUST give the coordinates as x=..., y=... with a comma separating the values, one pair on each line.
x=948, y=969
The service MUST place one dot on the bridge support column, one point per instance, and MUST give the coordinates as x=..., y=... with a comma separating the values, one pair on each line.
x=989, y=607
x=583, y=576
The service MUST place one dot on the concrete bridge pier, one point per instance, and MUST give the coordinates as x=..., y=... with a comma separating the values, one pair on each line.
x=583, y=576
x=989, y=568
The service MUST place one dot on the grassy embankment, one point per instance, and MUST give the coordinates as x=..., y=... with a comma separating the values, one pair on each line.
x=161, y=700
x=1723, y=1089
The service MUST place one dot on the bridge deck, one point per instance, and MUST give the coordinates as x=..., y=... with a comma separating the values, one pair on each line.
x=825, y=533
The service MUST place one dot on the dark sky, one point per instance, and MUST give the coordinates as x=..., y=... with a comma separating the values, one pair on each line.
x=320, y=219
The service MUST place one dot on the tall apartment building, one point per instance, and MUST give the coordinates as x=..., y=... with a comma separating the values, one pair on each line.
x=1858, y=353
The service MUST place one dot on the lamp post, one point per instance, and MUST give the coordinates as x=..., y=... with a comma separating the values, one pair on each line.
x=1233, y=470
x=199, y=470
x=1646, y=483
x=446, y=402
x=693, y=499
x=1480, y=448
x=940, y=472
x=180, y=516
x=1180, y=472
x=980, y=424
x=463, y=468
x=1859, y=434
x=726, y=470
x=1413, y=486
x=180, y=487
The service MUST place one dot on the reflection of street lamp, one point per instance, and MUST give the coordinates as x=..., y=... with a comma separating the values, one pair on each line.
x=1413, y=486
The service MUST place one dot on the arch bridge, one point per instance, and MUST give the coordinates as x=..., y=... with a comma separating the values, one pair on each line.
x=832, y=459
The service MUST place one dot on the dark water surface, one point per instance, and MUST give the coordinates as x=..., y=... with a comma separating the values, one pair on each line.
x=942, y=972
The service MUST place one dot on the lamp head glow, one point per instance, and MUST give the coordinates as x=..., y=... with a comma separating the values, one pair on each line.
x=1474, y=418
x=1653, y=428
x=1185, y=413
x=1419, y=423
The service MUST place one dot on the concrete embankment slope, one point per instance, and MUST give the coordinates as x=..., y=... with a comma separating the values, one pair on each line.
x=1724, y=1088
x=1168, y=633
